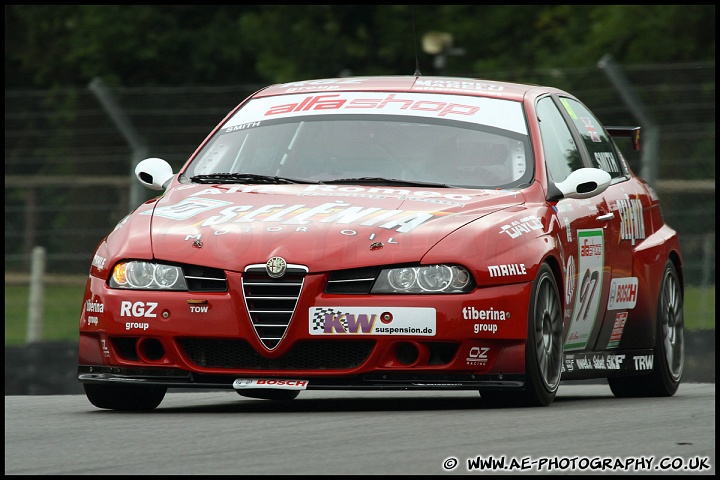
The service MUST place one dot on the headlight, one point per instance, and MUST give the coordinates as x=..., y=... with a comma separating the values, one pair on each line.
x=425, y=279
x=147, y=276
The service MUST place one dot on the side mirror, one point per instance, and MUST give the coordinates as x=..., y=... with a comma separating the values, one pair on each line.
x=582, y=183
x=154, y=173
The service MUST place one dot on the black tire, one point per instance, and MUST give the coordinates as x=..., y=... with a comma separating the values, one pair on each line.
x=544, y=349
x=129, y=398
x=669, y=350
x=269, y=394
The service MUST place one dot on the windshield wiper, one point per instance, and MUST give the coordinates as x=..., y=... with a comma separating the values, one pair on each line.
x=386, y=181
x=244, y=178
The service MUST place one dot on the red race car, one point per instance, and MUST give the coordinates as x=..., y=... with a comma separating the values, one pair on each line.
x=389, y=233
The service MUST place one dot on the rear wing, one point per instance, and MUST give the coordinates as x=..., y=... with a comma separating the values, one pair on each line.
x=632, y=132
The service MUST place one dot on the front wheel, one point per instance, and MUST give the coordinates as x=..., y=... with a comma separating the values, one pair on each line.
x=132, y=398
x=669, y=350
x=543, y=351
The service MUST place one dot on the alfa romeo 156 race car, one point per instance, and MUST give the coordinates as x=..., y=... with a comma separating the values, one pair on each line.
x=390, y=233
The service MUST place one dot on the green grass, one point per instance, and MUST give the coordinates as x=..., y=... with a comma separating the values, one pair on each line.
x=63, y=304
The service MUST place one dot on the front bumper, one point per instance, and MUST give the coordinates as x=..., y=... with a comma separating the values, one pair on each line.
x=174, y=378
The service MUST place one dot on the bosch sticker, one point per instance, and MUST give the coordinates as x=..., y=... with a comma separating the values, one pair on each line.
x=623, y=293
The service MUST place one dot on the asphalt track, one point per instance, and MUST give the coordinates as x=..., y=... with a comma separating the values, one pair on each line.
x=368, y=433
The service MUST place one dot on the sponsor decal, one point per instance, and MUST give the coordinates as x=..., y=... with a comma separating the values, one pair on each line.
x=138, y=326
x=372, y=321
x=608, y=361
x=568, y=230
x=337, y=212
x=98, y=262
x=563, y=207
x=138, y=309
x=632, y=223
x=507, y=270
x=187, y=208
x=591, y=250
x=196, y=306
x=570, y=274
x=472, y=313
x=487, y=111
x=643, y=362
x=478, y=356
x=94, y=307
x=92, y=320
x=270, y=383
x=485, y=327
x=458, y=85
x=623, y=293
x=329, y=82
x=618, y=326
x=524, y=225
x=105, y=350
x=394, y=102
x=584, y=363
x=614, y=362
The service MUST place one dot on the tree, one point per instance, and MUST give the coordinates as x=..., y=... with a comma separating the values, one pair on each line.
x=145, y=45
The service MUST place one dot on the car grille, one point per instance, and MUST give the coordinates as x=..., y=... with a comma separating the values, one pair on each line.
x=357, y=281
x=204, y=279
x=305, y=355
x=271, y=302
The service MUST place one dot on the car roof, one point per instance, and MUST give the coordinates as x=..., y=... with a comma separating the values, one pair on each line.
x=409, y=83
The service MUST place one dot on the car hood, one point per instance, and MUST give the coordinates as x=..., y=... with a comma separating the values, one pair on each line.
x=319, y=226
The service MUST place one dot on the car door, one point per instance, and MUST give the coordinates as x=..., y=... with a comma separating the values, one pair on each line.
x=585, y=223
x=622, y=219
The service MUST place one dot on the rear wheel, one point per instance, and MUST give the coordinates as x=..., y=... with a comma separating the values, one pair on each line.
x=125, y=397
x=543, y=351
x=669, y=351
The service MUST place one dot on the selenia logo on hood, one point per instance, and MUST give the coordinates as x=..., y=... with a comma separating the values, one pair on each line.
x=297, y=214
x=340, y=212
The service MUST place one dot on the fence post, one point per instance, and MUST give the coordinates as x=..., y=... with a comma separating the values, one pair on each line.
x=35, y=306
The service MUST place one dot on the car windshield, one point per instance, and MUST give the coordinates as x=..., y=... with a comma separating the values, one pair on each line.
x=360, y=148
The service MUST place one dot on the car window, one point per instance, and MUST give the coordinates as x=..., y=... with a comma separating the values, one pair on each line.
x=561, y=153
x=477, y=144
x=598, y=143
